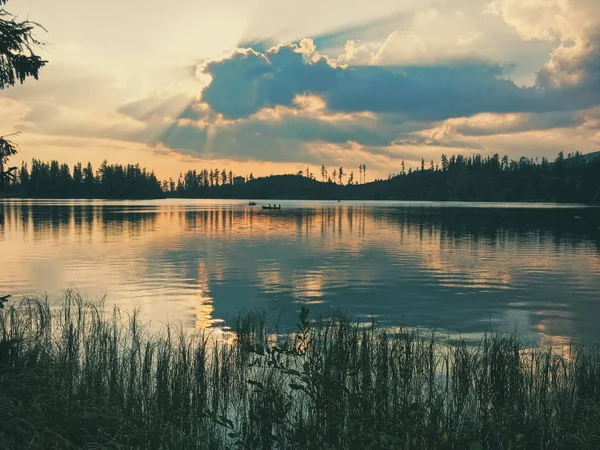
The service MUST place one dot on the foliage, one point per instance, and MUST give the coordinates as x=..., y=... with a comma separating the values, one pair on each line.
x=17, y=62
x=575, y=179
x=567, y=179
x=73, y=378
x=7, y=149
x=109, y=181
x=3, y=300
x=17, y=43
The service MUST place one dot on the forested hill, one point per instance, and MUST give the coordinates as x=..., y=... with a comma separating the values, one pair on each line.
x=574, y=179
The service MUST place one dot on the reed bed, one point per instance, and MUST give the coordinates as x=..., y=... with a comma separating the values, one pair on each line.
x=76, y=377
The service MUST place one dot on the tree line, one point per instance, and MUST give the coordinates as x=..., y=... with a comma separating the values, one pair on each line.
x=571, y=178
x=197, y=183
x=337, y=175
x=58, y=180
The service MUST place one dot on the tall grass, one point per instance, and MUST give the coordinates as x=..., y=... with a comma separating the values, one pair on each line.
x=75, y=377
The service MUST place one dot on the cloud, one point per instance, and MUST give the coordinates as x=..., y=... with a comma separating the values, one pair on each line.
x=284, y=103
x=13, y=113
x=387, y=78
x=515, y=135
x=280, y=133
x=79, y=86
x=307, y=132
x=391, y=89
x=468, y=38
x=548, y=19
x=358, y=53
x=487, y=124
x=399, y=48
x=573, y=67
x=159, y=107
x=249, y=81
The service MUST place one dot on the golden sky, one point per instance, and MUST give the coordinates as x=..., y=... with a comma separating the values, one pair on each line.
x=267, y=87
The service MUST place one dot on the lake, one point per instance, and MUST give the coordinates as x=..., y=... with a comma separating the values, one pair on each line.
x=462, y=268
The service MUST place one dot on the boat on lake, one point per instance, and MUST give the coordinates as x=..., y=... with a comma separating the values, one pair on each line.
x=252, y=204
x=271, y=207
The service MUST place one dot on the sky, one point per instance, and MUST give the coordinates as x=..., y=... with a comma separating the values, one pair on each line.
x=266, y=86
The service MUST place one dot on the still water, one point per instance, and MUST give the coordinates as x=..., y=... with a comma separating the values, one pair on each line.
x=461, y=268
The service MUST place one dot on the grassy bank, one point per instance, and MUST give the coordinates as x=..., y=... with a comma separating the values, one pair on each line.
x=75, y=378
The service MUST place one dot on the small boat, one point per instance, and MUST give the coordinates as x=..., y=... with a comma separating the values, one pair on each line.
x=271, y=207
x=252, y=204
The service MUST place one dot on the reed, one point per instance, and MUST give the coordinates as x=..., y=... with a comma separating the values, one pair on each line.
x=76, y=377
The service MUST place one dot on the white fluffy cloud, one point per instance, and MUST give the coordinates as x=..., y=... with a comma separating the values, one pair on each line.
x=575, y=62
x=549, y=19
x=359, y=53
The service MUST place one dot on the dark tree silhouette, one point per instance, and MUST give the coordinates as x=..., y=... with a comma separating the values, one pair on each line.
x=110, y=181
x=17, y=62
x=7, y=149
x=17, y=58
x=571, y=178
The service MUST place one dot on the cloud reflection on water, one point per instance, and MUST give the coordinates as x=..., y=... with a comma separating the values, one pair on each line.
x=456, y=269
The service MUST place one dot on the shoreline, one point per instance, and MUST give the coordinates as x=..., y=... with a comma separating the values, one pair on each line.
x=75, y=377
x=446, y=203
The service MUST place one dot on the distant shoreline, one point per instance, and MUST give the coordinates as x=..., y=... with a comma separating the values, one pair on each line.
x=300, y=199
x=575, y=179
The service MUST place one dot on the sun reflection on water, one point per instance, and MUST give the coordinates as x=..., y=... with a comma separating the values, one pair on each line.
x=200, y=261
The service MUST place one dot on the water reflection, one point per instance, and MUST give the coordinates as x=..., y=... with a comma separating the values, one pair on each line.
x=460, y=269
